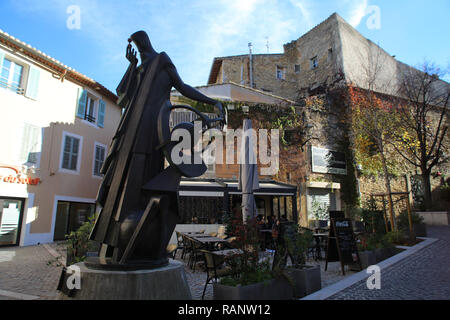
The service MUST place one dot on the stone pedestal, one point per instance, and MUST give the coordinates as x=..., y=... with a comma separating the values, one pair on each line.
x=166, y=283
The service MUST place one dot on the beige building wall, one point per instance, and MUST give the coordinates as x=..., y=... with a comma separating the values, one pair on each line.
x=52, y=114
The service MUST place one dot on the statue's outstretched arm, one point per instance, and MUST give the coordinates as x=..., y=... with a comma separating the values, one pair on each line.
x=191, y=93
x=187, y=90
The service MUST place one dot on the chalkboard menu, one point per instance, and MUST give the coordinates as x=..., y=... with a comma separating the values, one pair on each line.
x=342, y=244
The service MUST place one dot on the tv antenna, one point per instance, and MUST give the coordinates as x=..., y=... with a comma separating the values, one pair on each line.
x=267, y=43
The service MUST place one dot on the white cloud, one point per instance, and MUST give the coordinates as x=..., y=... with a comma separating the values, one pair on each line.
x=303, y=6
x=357, y=12
x=192, y=33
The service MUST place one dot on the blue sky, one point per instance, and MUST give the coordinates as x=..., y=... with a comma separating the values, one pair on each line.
x=193, y=32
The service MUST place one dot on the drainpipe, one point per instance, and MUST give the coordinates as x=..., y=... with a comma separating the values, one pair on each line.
x=251, y=63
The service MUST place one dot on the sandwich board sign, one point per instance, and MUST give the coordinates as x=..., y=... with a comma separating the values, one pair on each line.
x=342, y=244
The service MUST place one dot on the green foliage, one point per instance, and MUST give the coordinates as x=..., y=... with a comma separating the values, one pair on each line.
x=247, y=267
x=372, y=241
x=78, y=242
x=397, y=237
x=320, y=212
x=372, y=218
x=297, y=241
x=445, y=187
x=403, y=220
x=261, y=273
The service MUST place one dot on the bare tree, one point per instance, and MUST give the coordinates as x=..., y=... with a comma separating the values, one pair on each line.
x=424, y=118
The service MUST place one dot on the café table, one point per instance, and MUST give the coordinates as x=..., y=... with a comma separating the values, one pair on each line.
x=209, y=241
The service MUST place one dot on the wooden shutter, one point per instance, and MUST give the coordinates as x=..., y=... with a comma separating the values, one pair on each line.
x=33, y=83
x=81, y=103
x=101, y=113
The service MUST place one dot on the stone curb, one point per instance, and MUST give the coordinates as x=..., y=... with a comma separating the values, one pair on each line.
x=362, y=275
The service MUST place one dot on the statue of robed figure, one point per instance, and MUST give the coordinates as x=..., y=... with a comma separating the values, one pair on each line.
x=138, y=195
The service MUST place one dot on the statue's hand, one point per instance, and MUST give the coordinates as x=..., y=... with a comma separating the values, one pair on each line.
x=131, y=54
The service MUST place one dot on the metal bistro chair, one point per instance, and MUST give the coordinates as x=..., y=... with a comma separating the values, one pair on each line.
x=215, y=268
x=172, y=250
x=180, y=244
x=196, y=254
x=187, y=246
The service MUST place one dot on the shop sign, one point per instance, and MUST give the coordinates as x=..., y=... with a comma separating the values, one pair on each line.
x=327, y=161
x=16, y=176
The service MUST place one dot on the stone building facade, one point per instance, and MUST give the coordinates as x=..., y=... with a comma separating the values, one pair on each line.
x=331, y=55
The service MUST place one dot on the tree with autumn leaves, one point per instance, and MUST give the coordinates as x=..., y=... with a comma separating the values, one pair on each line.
x=373, y=125
x=404, y=132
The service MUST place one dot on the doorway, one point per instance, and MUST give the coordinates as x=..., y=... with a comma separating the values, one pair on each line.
x=11, y=213
x=70, y=216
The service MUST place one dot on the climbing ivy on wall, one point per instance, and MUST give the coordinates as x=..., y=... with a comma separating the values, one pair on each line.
x=288, y=120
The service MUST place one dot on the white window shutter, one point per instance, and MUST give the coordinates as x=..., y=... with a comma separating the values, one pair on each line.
x=33, y=83
x=2, y=56
x=30, y=144
x=101, y=113
x=81, y=103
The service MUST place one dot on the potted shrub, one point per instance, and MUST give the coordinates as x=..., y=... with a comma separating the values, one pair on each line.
x=419, y=226
x=78, y=244
x=384, y=248
x=366, y=250
x=305, y=279
x=252, y=278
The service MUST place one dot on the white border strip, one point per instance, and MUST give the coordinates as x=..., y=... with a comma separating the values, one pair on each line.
x=362, y=275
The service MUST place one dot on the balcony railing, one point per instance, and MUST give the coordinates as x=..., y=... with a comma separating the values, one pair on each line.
x=89, y=118
x=11, y=87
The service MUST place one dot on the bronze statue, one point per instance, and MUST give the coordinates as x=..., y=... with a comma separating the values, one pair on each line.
x=138, y=196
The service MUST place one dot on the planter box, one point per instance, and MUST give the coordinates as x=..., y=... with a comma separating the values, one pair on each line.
x=385, y=253
x=382, y=254
x=368, y=258
x=275, y=289
x=306, y=280
x=420, y=230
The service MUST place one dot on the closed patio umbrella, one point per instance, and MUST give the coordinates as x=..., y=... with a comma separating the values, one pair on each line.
x=248, y=172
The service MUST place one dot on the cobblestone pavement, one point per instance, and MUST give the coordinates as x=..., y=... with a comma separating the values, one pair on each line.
x=424, y=275
x=28, y=271
x=34, y=271
x=197, y=279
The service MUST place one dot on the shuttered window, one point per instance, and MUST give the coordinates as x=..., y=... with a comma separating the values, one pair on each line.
x=70, y=153
x=178, y=117
x=99, y=158
x=101, y=113
x=29, y=151
x=11, y=75
x=90, y=108
x=33, y=83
